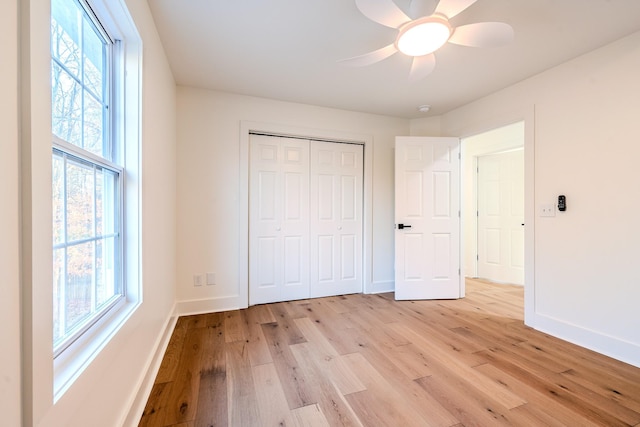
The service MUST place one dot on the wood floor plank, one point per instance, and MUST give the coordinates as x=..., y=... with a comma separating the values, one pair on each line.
x=272, y=403
x=380, y=403
x=286, y=325
x=212, y=409
x=332, y=324
x=309, y=416
x=155, y=409
x=294, y=380
x=446, y=360
x=469, y=405
x=327, y=358
x=550, y=383
x=171, y=359
x=329, y=399
x=542, y=407
x=243, y=404
x=419, y=399
x=370, y=360
x=256, y=342
x=411, y=361
x=234, y=326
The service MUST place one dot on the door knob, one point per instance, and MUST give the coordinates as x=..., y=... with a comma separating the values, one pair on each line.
x=403, y=226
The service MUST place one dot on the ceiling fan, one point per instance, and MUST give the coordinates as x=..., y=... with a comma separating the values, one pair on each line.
x=422, y=36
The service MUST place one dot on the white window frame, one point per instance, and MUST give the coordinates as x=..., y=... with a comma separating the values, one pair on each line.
x=125, y=132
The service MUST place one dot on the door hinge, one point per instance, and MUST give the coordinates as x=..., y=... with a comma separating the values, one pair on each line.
x=477, y=257
x=459, y=272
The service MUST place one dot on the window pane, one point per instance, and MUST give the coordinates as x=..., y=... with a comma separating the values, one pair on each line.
x=66, y=22
x=106, y=270
x=93, y=117
x=94, y=66
x=79, y=289
x=57, y=180
x=80, y=201
x=66, y=106
x=106, y=202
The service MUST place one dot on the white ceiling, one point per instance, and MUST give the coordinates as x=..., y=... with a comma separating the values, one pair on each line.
x=288, y=50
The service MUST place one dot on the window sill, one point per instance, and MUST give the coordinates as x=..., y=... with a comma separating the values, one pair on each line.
x=72, y=362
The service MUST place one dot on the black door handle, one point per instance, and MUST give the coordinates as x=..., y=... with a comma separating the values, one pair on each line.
x=402, y=226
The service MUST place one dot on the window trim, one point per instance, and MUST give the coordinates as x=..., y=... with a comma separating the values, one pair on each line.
x=126, y=109
x=108, y=160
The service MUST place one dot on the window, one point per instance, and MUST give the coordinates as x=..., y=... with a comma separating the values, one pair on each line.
x=87, y=176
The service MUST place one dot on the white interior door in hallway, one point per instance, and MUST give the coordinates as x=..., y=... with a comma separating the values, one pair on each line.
x=305, y=218
x=501, y=217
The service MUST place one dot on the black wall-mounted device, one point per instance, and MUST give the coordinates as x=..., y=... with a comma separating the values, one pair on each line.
x=562, y=203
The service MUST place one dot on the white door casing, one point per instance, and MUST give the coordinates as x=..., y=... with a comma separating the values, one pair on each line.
x=427, y=198
x=278, y=219
x=336, y=218
x=500, y=210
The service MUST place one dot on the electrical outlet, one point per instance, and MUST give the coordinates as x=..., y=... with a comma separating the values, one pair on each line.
x=198, y=279
x=211, y=278
x=548, y=210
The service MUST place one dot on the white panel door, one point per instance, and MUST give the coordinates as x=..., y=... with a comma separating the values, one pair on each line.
x=501, y=217
x=427, y=212
x=278, y=219
x=336, y=218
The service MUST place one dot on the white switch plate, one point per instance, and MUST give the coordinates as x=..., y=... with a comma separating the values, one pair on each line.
x=211, y=278
x=198, y=279
x=548, y=210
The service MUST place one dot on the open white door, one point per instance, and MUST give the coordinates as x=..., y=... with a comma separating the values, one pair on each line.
x=427, y=212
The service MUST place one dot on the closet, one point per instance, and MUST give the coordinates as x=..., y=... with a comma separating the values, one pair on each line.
x=305, y=218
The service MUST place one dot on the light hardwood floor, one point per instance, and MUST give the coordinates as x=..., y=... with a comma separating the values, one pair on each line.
x=367, y=360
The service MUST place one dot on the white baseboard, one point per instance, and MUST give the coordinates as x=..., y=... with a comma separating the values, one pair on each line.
x=136, y=408
x=209, y=305
x=616, y=348
x=381, y=287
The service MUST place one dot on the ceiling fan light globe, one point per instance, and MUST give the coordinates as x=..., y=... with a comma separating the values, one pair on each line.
x=423, y=36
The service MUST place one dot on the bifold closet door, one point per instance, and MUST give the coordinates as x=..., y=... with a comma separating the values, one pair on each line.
x=336, y=218
x=278, y=219
x=305, y=219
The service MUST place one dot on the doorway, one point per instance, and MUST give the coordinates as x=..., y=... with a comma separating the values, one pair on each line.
x=493, y=200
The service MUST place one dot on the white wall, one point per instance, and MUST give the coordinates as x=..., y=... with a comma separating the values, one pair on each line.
x=10, y=402
x=209, y=183
x=584, y=285
x=105, y=391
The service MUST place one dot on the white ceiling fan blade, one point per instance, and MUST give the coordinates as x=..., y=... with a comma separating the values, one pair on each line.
x=371, y=57
x=451, y=8
x=384, y=12
x=420, y=8
x=483, y=34
x=422, y=66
